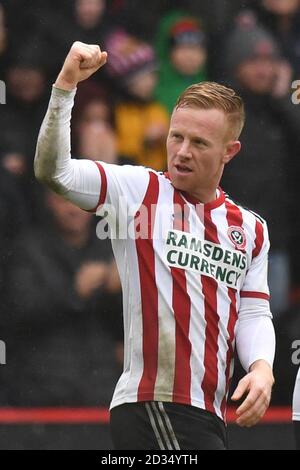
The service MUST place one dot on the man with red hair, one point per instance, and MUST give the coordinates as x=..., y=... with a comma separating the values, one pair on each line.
x=193, y=267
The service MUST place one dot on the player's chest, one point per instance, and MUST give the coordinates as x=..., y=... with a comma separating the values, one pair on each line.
x=208, y=246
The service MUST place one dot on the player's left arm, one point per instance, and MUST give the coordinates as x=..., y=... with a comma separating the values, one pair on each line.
x=256, y=348
x=258, y=386
x=255, y=341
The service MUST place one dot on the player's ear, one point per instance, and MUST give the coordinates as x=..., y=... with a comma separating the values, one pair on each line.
x=232, y=148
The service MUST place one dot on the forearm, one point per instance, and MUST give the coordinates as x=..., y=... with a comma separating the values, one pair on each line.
x=76, y=180
x=255, y=337
x=53, y=152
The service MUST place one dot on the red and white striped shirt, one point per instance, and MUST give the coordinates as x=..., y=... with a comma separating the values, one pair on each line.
x=183, y=284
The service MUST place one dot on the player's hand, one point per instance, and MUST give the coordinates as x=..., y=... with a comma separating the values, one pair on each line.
x=257, y=384
x=81, y=62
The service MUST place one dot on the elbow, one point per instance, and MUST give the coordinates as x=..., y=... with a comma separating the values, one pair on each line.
x=45, y=172
x=47, y=179
x=38, y=173
x=41, y=175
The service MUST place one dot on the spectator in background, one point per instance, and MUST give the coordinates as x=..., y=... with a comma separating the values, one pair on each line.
x=282, y=19
x=217, y=14
x=92, y=104
x=82, y=20
x=2, y=31
x=141, y=122
x=88, y=13
x=94, y=126
x=262, y=175
x=3, y=55
x=65, y=313
x=21, y=20
x=13, y=219
x=97, y=141
x=181, y=50
x=26, y=80
x=126, y=14
x=26, y=89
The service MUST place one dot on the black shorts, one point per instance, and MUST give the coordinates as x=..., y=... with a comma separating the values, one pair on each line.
x=297, y=434
x=159, y=425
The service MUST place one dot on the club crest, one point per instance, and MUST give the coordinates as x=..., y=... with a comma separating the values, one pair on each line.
x=237, y=237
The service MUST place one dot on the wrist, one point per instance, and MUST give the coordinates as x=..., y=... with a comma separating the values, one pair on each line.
x=264, y=366
x=64, y=84
x=260, y=364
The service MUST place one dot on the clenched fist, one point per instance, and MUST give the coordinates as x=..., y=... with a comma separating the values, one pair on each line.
x=81, y=62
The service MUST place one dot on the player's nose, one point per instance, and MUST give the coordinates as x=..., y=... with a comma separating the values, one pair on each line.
x=184, y=150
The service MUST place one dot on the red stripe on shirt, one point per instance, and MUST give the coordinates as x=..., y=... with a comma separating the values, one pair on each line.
x=103, y=187
x=259, y=238
x=149, y=292
x=181, y=304
x=209, y=288
x=254, y=295
x=234, y=217
x=233, y=316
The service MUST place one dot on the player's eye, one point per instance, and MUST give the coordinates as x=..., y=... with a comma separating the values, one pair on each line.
x=199, y=142
x=177, y=136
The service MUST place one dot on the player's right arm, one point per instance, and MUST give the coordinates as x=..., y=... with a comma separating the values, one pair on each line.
x=76, y=180
x=82, y=61
x=85, y=183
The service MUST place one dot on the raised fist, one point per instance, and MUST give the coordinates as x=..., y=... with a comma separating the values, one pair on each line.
x=81, y=62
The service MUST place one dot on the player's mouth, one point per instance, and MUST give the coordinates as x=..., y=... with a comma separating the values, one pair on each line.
x=183, y=169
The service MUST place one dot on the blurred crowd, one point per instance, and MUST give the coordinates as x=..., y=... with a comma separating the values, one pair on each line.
x=61, y=303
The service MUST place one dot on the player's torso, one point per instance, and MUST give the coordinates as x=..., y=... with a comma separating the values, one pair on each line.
x=196, y=241
x=184, y=273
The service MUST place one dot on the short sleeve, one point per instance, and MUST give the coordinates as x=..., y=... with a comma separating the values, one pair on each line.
x=256, y=281
x=121, y=186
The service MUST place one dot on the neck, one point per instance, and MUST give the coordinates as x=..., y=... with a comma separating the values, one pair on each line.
x=205, y=196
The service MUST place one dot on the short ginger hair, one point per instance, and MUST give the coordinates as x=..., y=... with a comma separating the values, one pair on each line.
x=211, y=95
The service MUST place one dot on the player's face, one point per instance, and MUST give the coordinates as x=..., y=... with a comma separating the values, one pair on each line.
x=198, y=148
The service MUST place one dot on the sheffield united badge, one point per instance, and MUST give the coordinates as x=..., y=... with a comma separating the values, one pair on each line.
x=237, y=237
